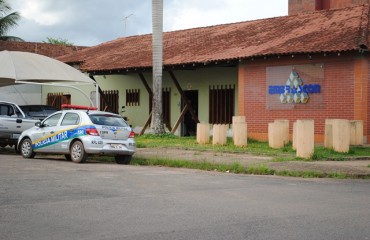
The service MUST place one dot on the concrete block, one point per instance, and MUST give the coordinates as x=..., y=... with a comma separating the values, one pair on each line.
x=328, y=138
x=240, y=134
x=341, y=136
x=356, y=131
x=203, y=133
x=275, y=139
x=294, y=145
x=283, y=127
x=305, y=138
x=238, y=119
x=219, y=134
x=278, y=133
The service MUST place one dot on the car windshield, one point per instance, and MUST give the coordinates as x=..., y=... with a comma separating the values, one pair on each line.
x=108, y=120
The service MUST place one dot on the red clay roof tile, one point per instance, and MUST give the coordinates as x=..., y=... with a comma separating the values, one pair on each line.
x=46, y=49
x=323, y=31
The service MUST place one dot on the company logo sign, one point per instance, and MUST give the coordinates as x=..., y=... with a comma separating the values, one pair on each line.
x=294, y=91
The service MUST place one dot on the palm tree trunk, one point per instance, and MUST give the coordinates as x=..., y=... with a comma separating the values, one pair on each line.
x=157, y=37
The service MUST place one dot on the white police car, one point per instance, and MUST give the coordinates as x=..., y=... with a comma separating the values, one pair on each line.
x=79, y=133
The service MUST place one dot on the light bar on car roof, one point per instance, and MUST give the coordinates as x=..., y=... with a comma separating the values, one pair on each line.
x=70, y=106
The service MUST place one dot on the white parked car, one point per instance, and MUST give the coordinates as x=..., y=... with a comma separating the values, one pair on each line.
x=79, y=133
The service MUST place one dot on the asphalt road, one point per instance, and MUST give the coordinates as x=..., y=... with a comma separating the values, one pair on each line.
x=56, y=199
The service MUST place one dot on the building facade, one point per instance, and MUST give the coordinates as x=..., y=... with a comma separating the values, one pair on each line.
x=308, y=65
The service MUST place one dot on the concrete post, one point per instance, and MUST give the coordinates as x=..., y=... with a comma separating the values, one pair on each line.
x=294, y=145
x=278, y=133
x=272, y=136
x=240, y=134
x=341, y=135
x=283, y=127
x=328, y=138
x=305, y=138
x=203, y=133
x=275, y=139
x=219, y=134
x=238, y=119
x=239, y=131
x=356, y=132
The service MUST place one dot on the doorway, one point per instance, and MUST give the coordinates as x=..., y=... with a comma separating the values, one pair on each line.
x=188, y=125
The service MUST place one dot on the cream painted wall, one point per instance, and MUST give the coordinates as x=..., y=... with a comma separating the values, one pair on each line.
x=77, y=98
x=199, y=80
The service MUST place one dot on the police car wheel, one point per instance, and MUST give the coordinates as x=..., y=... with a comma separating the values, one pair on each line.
x=26, y=149
x=68, y=157
x=123, y=159
x=78, y=154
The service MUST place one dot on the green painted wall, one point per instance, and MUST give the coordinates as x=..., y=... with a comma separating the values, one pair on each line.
x=200, y=80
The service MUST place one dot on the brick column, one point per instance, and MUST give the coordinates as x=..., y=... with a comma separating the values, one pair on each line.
x=361, y=94
x=241, y=90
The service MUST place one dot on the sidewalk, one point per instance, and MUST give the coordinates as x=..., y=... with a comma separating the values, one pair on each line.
x=355, y=168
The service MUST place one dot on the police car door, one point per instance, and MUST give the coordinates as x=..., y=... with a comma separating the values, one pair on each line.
x=66, y=130
x=44, y=137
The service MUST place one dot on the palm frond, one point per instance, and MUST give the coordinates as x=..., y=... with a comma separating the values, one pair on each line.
x=8, y=22
x=11, y=38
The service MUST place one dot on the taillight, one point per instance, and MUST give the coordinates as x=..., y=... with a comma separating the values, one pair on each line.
x=92, y=131
x=132, y=134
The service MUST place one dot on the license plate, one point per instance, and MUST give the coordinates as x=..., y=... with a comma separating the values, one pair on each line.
x=116, y=146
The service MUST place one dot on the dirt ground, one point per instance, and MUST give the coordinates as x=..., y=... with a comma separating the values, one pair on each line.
x=351, y=167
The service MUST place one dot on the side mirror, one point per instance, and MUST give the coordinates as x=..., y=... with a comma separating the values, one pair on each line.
x=38, y=124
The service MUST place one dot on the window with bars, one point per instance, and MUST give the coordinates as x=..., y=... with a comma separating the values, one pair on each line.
x=221, y=104
x=109, y=101
x=132, y=97
x=57, y=99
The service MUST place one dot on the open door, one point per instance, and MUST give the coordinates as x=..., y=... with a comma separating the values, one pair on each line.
x=189, y=125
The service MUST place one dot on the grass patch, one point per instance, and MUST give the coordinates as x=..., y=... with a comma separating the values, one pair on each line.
x=254, y=147
x=237, y=168
x=322, y=153
x=260, y=170
x=206, y=166
x=314, y=174
x=172, y=141
x=201, y=165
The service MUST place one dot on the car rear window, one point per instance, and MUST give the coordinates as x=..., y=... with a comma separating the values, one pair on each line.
x=108, y=120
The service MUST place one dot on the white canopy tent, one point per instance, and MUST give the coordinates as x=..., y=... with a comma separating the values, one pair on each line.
x=30, y=68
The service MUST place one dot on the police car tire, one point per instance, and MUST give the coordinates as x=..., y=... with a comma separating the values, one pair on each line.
x=26, y=149
x=123, y=159
x=78, y=154
x=68, y=157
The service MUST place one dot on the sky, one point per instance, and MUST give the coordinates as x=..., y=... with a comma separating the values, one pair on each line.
x=91, y=22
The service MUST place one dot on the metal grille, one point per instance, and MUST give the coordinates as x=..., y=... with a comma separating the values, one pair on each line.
x=109, y=101
x=221, y=104
x=133, y=97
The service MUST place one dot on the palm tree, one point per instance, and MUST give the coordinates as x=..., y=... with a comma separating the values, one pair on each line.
x=60, y=41
x=157, y=37
x=7, y=21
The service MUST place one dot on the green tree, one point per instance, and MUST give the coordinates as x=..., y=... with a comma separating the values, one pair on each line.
x=157, y=22
x=60, y=41
x=7, y=21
